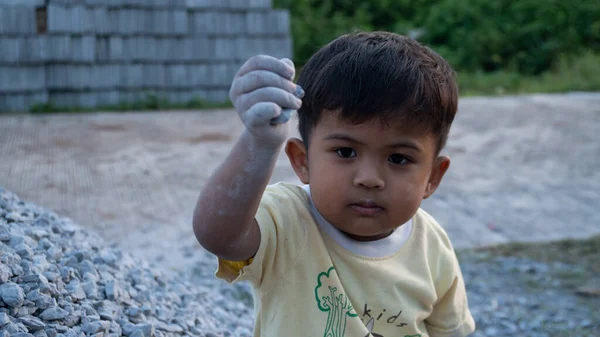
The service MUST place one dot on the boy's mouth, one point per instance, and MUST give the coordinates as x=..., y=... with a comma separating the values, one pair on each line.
x=366, y=207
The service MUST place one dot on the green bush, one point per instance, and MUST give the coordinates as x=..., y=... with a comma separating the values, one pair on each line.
x=525, y=36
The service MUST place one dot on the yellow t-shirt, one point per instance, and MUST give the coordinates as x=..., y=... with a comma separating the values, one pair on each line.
x=310, y=280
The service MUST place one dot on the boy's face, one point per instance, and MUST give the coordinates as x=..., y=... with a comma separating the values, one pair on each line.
x=370, y=178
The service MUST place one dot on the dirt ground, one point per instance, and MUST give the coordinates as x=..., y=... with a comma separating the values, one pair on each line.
x=524, y=168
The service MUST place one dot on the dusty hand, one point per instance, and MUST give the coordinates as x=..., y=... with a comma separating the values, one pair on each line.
x=261, y=90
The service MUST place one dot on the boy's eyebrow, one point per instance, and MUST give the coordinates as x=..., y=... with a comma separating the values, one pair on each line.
x=405, y=143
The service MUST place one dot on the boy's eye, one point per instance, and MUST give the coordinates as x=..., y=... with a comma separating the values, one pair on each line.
x=346, y=152
x=398, y=159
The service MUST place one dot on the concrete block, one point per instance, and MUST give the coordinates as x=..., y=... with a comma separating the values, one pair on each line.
x=238, y=4
x=107, y=98
x=83, y=48
x=279, y=47
x=132, y=76
x=247, y=47
x=154, y=75
x=23, y=50
x=129, y=21
x=178, y=22
x=105, y=76
x=17, y=20
x=11, y=49
x=278, y=22
x=236, y=23
x=259, y=4
x=177, y=96
x=256, y=23
x=58, y=47
x=199, y=48
x=219, y=75
x=35, y=50
x=100, y=20
x=22, y=79
x=56, y=77
x=202, y=4
x=63, y=2
x=102, y=47
x=177, y=76
x=80, y=21
x=204, y=22
x=159, y=21
x=96, y=3
x=225, y=49
x=113, y=4
x=30, y=3
x=218, y=95
x=175, y=47
x=59, y=19
x=74, y=99
x=142, y=48
x=117, y=49
x=198, y=75
x=80, y=77
x=177, y=4
x=21, y=102
x=68, y=77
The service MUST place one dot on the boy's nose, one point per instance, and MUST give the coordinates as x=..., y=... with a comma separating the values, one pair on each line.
x=369, y=176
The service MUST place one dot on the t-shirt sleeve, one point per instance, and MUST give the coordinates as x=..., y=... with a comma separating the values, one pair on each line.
x=282, y=237
x=450, y=316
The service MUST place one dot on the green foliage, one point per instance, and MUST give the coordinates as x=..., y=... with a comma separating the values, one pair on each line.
x=525, y=36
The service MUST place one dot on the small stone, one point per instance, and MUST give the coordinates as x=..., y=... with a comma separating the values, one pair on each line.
x=108, y=310
x=72, y=320
x=40, y=333
x=91, y=289
x=4, y=319
x=35, y=278
x=24, y=250
x=22, y=334
x=95, y=327
x=51, y=276
x=32, y=323
x=133, y=312
x=127, y=328
x=137, y=333
x=4, y=234
x=54, y=313
x=51, y=332
x=113, y=291
x=12, y=294
x=147, y=329
x=75, y=290
x=5, y=273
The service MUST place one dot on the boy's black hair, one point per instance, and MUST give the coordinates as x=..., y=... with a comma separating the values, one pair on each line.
x=368, y=75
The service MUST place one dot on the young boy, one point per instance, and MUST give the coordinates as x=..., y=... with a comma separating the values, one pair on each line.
x=350, y=253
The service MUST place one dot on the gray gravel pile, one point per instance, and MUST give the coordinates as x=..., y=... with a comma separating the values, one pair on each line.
x=510, y=296
x=58, y=280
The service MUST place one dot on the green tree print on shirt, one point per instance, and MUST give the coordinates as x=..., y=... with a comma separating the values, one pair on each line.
x=335, y=303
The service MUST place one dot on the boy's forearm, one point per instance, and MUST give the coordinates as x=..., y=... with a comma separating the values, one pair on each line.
x=224, y=215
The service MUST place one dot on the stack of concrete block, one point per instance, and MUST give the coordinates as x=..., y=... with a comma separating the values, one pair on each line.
x=93, y=53
x=22, y=57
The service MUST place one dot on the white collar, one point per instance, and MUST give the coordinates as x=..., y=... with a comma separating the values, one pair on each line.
x=374, y=249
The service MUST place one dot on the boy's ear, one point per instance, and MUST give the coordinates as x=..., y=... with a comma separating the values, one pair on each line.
x=298, y=156
x=440, y=166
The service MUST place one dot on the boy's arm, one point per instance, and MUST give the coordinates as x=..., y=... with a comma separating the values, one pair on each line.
x=223, y=219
